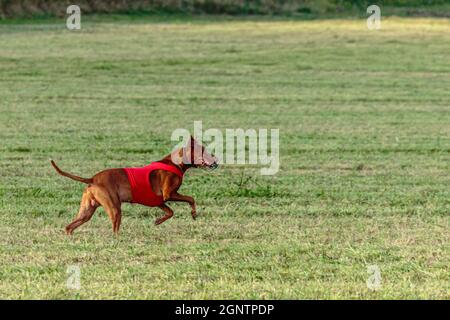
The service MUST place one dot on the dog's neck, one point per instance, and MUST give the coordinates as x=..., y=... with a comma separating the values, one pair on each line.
x=182, y=166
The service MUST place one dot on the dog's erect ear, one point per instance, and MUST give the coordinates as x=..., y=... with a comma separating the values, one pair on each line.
x=192, y=143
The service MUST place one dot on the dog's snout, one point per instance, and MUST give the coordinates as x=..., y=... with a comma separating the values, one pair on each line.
x=214, y=165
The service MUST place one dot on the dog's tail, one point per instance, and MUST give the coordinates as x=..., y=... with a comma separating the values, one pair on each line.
x=69, y=175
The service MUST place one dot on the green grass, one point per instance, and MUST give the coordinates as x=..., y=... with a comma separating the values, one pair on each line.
x=364, y=120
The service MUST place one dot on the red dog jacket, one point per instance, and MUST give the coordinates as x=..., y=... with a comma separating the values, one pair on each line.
x=141, y=189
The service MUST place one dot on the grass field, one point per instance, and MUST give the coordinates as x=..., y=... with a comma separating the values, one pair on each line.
x=364, y=119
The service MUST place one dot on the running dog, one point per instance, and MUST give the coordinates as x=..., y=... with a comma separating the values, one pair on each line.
x=152, y=185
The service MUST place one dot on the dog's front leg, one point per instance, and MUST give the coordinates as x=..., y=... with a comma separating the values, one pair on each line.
x=169, y=190
x=175, y=196
x=168, y=215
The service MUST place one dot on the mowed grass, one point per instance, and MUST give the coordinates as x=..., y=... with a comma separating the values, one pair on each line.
x=364, y=119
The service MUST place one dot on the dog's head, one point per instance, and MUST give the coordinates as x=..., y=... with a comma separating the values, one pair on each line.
x=195, y=155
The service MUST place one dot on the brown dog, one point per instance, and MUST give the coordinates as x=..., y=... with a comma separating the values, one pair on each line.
x=110, y=188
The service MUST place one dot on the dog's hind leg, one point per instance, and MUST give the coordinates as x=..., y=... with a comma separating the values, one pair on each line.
x=88, y=206
x=111, y=204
